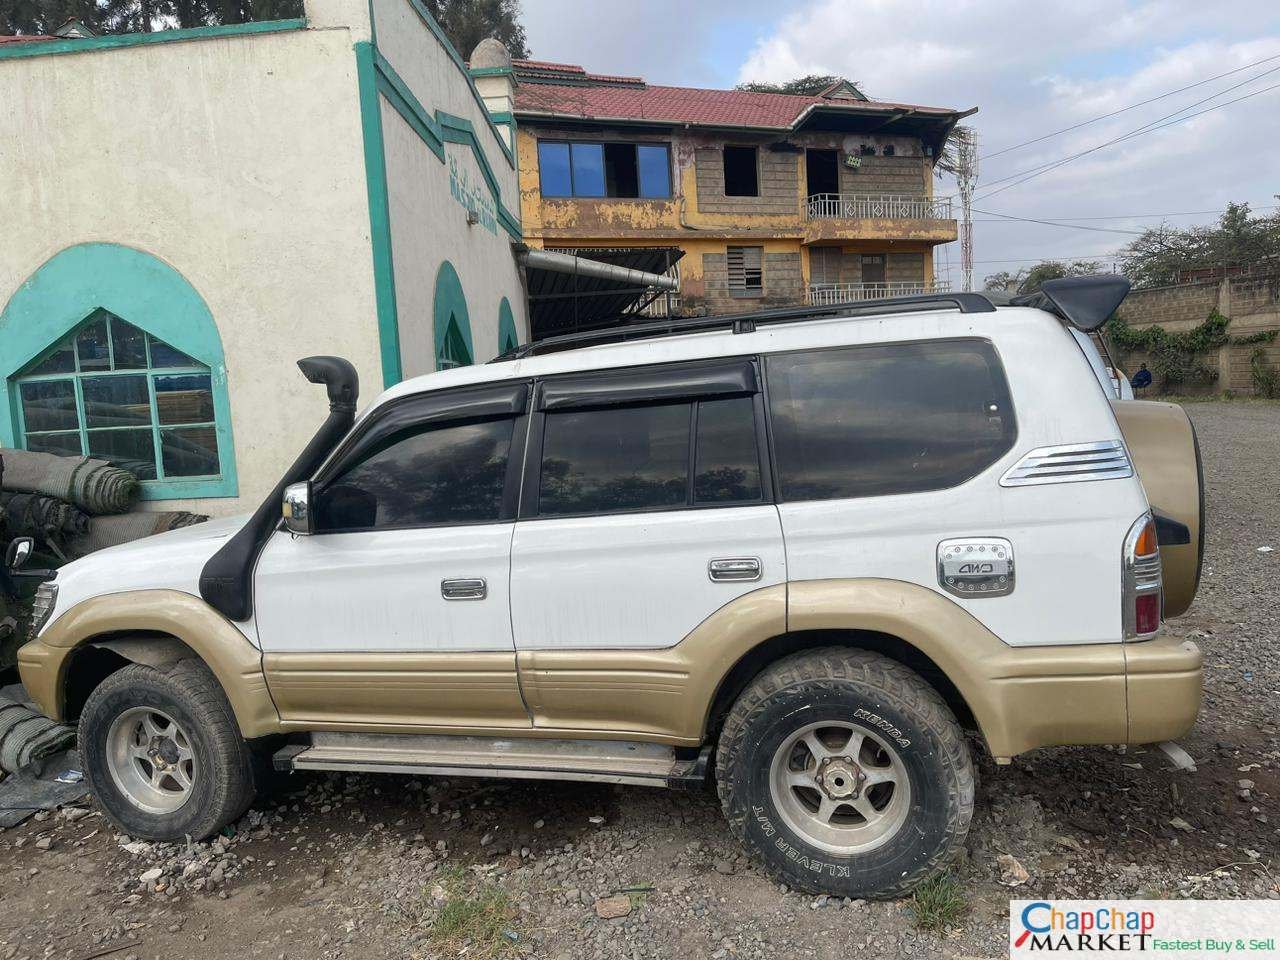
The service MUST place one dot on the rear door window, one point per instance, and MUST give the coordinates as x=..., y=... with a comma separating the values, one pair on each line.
x=885, y=419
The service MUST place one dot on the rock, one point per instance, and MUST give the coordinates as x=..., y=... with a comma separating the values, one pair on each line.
x=597, y=820
x=611, y=908
x=1012, y=873
x=44, y=843
x=1179, y=824
x=723, y=866
x=152, y=875
x=1071, y=843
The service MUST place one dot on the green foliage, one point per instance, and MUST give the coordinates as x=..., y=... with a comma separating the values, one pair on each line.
x=476, y=919
x=806, y=86
x=1175, y=357
x=1160, y=255
x=938, y=903
x=1266, y=379
x=137, y=16
x=467, y=22
x=1030, y=278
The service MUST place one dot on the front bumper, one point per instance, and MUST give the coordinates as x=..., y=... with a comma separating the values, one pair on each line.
x=40, y=668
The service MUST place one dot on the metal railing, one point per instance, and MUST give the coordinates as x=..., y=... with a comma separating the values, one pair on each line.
x=826, y=294
x=882, y=206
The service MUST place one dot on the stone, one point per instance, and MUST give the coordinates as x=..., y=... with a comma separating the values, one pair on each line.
x=1012, y=873
x=612, y=908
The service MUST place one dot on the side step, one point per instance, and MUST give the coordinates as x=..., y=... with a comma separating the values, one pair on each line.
x=607, y=761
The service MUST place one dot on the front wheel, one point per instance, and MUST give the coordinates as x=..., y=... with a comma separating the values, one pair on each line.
x=163, y=754
x=846, y=774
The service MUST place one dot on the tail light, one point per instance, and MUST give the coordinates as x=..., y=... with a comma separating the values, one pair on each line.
x=1141, y=583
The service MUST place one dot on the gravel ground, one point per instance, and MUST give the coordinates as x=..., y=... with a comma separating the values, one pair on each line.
x=360, y=867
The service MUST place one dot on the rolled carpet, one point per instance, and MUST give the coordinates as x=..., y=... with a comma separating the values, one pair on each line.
x=95, y=486
x=110, y=531
x=46, y=519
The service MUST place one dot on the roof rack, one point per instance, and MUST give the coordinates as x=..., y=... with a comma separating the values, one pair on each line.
x=748, y=322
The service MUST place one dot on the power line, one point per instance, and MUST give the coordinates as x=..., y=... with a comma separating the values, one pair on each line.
x=1143, y=216
x=1004, y=217
x=1136, y=133
x=1143, y=127
x=1141, y=103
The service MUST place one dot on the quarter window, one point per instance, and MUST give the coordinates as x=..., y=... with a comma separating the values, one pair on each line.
x=113, y=392
x=449, y=475
x=885, y=419
x=627, y=459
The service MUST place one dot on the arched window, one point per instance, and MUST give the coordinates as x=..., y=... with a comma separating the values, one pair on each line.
x=508, y=337
x=109, y=352
x=113, y=392
x=451, y=321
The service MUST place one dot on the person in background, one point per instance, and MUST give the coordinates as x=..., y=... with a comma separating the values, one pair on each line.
x=1142, y=379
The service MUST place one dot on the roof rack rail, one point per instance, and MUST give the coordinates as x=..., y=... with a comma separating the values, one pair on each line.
x=748, y=322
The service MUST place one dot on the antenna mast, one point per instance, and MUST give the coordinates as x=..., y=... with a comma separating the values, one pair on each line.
x=966, y=179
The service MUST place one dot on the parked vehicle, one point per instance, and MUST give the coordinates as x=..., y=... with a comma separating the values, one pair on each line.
x=796, y=553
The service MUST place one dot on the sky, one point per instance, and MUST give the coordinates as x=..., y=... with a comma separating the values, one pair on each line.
x=1031, y=67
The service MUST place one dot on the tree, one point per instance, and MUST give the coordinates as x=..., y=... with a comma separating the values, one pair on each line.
x=1162, y=255
x=807, y=86
x=467, y=22
x=139, y=16
x=1030, y=278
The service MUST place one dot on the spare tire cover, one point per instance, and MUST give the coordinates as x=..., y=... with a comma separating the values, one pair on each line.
x=1166, y=454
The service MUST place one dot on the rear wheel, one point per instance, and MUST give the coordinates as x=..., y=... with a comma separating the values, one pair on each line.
x=845, y=773
x=163, y=754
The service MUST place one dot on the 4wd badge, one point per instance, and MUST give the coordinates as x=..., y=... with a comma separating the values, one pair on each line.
x=976, y=567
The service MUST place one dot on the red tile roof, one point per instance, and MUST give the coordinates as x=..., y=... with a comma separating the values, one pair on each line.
x=30, y=38
x=567, y=90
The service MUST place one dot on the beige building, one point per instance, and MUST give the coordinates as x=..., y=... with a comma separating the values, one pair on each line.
x=764, y=199
x=189, y=212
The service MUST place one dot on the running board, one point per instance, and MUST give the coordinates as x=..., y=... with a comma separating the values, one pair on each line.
x=607, y=761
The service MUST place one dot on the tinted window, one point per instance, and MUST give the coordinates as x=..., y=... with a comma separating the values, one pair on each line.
x=450, y=475
x=655, y=170
x=622, y=459
x=588, y=169
x=864, y=421
x=553, y=167
x=728, y=462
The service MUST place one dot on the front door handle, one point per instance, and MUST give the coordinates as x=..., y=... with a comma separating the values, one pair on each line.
x=734, y=569
x=464, y=588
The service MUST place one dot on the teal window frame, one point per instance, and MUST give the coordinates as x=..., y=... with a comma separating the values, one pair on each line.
x=451, y=320
x=77, y=375
x=62, y=296
x=508, y=335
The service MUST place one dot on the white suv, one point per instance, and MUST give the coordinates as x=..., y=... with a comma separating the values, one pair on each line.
x=795, y=553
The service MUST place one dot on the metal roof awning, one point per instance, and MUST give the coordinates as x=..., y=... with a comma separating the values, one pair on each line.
x=590, y=288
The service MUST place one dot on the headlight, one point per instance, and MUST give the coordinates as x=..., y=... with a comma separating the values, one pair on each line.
x=42, y=607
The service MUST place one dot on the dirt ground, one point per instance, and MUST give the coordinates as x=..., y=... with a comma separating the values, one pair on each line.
x=362, y=867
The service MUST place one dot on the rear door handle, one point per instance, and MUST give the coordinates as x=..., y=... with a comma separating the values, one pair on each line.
x=464, y=588
x=734, y=569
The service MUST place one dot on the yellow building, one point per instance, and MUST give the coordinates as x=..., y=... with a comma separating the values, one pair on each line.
x=765, y=199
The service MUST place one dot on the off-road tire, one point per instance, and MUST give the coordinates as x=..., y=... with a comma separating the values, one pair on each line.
x=223, y=786
x=835, y=684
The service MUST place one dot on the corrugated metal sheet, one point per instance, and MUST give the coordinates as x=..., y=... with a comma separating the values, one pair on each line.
x=569, y=303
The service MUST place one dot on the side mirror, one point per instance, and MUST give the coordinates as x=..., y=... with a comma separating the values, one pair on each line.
x=19, y=553
x=297, y=508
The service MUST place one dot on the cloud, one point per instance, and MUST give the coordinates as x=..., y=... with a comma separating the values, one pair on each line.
x=1036, y=68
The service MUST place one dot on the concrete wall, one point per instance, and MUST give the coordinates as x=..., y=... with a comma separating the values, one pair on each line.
x=237, y=161
x=429, y=198
x=1251, y=303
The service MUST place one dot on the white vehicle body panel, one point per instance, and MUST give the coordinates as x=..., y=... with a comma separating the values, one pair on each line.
x=166, y=561
x=381, y=591
x=633, y=581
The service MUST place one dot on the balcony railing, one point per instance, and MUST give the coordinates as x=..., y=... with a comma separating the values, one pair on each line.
x=826, y=294
x=883, y=206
